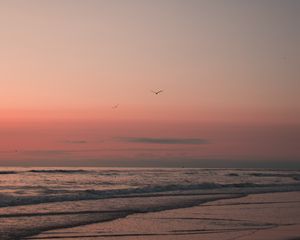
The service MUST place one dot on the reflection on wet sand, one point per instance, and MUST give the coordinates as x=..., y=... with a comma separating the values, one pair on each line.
x=272, y=216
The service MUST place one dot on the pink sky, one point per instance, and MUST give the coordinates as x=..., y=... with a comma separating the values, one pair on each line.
x=230, y=71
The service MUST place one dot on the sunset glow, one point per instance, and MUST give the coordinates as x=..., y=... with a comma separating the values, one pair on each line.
x=229, y=71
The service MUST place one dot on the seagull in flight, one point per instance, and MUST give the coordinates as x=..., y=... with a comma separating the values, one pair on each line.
x=157, y=92
x=115, y=106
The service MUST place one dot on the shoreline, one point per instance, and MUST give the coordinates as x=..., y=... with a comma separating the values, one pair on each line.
x=110, y=212
x=213, y=215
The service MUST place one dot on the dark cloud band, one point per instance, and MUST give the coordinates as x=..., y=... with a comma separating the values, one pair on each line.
x=76, y=141
x=165, y=140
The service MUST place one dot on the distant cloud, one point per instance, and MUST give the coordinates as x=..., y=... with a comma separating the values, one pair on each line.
x=76, y=141
x=165, y=140
x=44, y=152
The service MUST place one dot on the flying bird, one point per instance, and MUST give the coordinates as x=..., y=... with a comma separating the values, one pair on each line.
x=115, y=106
x=157, y=92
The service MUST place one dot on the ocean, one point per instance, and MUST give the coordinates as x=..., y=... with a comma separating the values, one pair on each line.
x=34, y=200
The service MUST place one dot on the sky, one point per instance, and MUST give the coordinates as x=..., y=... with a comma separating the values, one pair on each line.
x=229, y=71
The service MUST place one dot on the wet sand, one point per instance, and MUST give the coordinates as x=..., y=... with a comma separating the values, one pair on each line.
x=272, y=216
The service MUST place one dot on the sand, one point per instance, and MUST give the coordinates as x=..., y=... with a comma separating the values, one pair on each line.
x=272, y=216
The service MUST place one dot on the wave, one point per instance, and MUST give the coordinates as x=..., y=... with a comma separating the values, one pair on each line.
x=295, y=176
x=232, y=175
x=8, y=172
x=70, y=171
x=58, y=171
x=175, y=189
x=153, y=191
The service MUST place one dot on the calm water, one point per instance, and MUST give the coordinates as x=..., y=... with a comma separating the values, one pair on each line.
x=33, y=200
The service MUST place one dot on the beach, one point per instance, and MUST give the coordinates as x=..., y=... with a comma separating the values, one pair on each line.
x=148, y=203
x=272, y=216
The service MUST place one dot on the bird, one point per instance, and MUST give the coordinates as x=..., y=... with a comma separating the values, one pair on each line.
x=157, y=92
x=115, y=106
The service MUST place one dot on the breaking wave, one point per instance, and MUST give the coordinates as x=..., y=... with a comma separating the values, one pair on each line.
x=8, y=172
x=58, y=171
